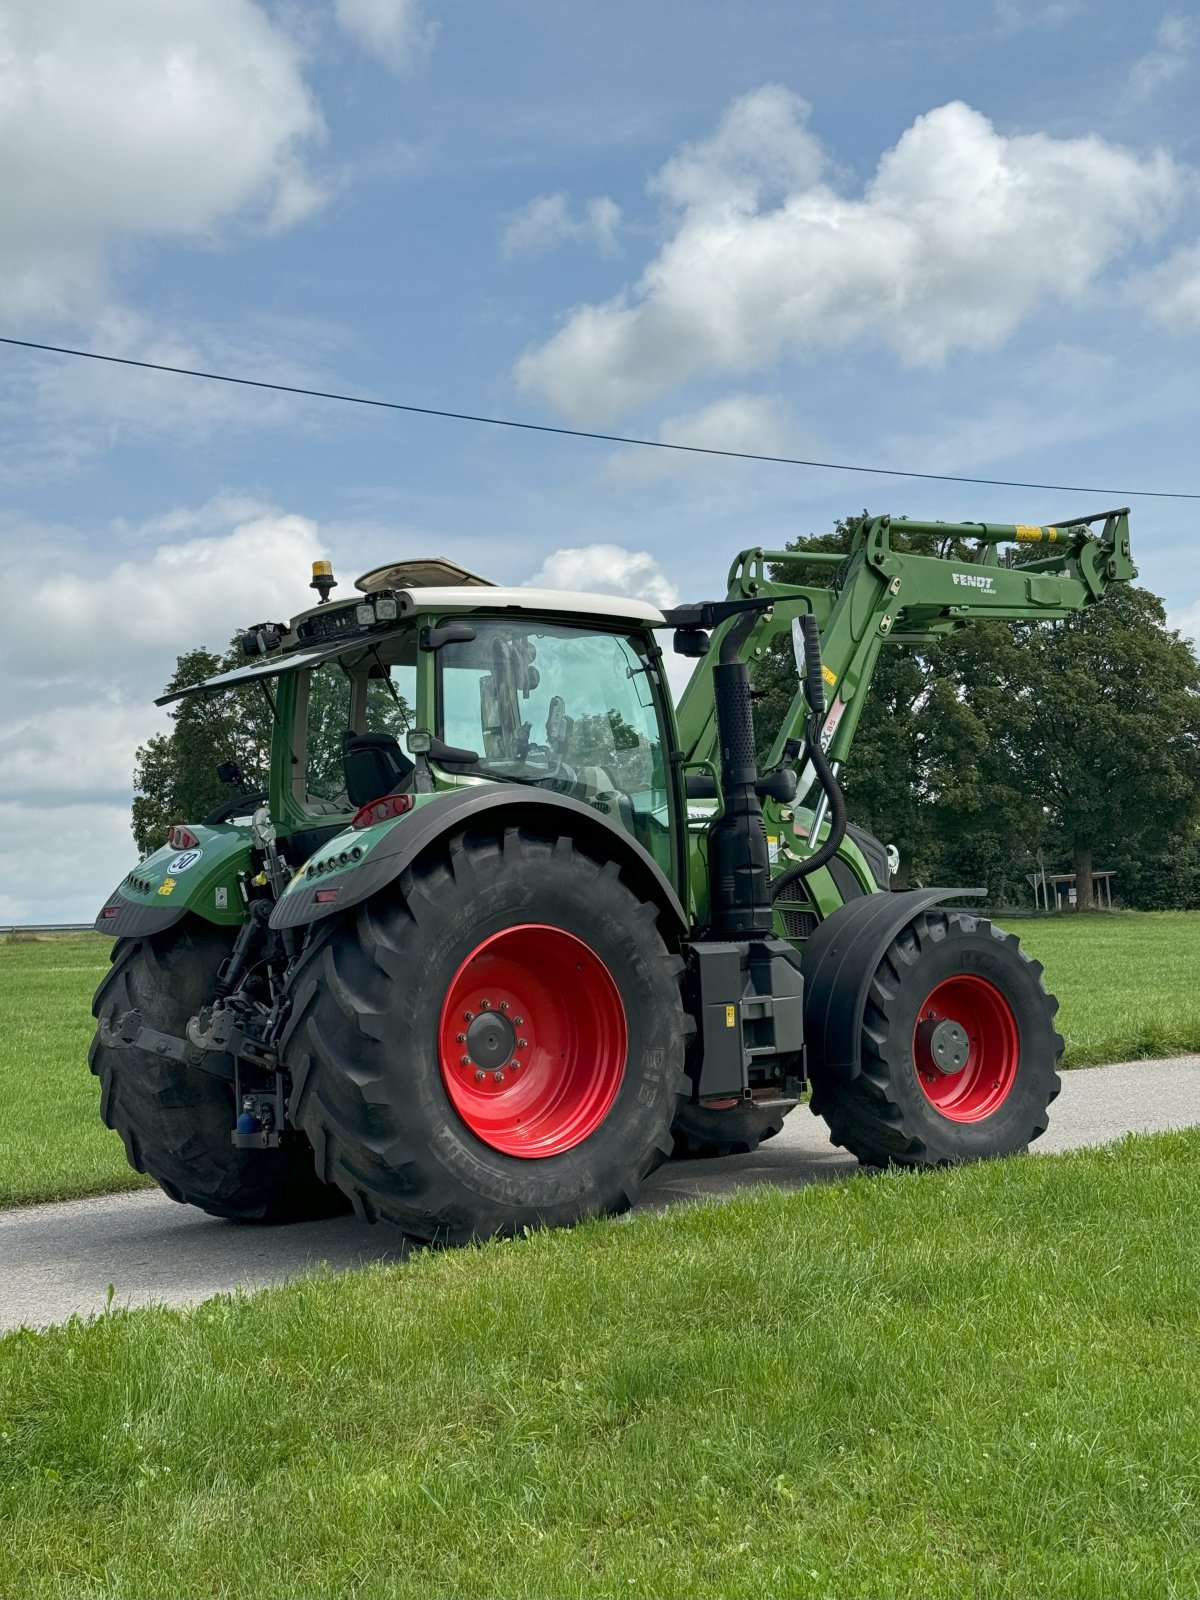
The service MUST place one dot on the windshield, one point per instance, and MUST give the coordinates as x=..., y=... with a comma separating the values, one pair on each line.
x=566, y=709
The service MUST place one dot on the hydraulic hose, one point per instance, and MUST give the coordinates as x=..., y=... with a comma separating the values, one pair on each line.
x=827, y=778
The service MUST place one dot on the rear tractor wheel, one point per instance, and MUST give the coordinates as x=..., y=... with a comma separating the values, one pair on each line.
x=175, y=1120
x=498, y=1045
x=958, y=1050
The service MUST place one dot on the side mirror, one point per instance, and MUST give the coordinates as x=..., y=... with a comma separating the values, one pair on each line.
x=691, y=642
x=781, y=785
x=456, y=631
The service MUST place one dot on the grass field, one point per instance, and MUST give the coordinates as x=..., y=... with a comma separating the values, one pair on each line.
x=973, y=1382
x=52, y=1142
x=1127, y=982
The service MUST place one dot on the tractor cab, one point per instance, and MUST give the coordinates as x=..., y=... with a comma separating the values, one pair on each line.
x=436, y=679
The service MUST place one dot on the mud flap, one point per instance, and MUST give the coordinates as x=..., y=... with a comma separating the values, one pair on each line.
x=839, y=962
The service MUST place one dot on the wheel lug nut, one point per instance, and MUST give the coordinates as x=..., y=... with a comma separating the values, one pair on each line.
x=498, y=1077
x=460, y=1038
x=522, y=1044
x=517, y=1021
x=479, y=1077
x=468, y=1016
x=485, y=1005
x=504, y=1005
x=464, y=1061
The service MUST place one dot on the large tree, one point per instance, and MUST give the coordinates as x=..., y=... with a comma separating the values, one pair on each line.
x=1073, y=739
x=175, y=779
x=1111, y=741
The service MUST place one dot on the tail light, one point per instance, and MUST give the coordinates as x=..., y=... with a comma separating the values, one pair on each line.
x=382, y=810
x=181, y=838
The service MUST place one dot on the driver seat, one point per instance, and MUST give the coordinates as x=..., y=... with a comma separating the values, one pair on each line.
x=374, y=765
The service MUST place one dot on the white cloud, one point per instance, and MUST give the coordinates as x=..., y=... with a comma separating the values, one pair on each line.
x=946, y=249
x=81, y=660
x=394, y=31
x=136, y=616
x=137, y=119
x=546, y=222
x=1174, y=42
x=1170, y=292
x=93, y=850
x=752, y=422
x=607, y=569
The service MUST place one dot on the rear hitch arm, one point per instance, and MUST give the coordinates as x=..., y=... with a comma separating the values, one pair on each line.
x=129, y=1032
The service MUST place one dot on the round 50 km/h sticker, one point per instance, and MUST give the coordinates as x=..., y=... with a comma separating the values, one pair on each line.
x=182, y=862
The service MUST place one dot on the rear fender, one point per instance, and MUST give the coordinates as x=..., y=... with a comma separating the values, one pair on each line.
x=839, y=961
x=386, y=849
x=171, y=882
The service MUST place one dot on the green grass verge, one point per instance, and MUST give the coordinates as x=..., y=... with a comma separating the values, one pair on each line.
x=973, y=1382
x=52, y=1142
x=1127, y=983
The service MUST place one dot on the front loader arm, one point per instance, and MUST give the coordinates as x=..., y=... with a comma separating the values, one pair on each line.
x=885, y=593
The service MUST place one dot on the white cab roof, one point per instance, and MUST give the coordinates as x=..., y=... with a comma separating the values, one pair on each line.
x=613, y=607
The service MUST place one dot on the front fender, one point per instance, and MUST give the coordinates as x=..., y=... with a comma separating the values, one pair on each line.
x=838, y=963
x=386, y=849
x=171, y=882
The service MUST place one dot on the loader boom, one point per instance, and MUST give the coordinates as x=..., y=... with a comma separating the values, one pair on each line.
x=883, y=593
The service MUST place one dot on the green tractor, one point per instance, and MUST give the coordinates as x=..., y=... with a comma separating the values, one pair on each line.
x=509, y=927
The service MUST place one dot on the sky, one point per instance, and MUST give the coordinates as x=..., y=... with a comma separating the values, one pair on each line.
x=921, y=235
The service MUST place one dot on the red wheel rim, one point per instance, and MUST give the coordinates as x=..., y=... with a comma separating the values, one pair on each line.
x=966, y=1015
x=532, y=1041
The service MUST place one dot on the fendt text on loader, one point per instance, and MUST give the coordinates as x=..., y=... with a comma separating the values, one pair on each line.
x=508, y=926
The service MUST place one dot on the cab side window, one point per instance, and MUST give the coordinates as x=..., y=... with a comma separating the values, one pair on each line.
x=329, y=706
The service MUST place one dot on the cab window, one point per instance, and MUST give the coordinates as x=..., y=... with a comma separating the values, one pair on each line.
x=562, y=708
x=363, y=691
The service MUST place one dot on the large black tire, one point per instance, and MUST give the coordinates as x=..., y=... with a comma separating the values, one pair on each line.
x=175, y=1121
x=736, y=1130
x=901, y=1109
x=366, y=1041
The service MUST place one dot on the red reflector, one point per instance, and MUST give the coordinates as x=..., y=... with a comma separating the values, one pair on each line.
x=324, y=896
x=383, y=810
x=110, y=911
x=180, y=838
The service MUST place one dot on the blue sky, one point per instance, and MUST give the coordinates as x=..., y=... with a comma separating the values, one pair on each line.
x=955, y=239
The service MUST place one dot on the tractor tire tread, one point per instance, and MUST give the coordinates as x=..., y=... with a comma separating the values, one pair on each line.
x=871, y=1115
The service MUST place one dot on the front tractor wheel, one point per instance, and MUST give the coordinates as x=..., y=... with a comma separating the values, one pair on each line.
x=958, y=1050
x=497, y=1045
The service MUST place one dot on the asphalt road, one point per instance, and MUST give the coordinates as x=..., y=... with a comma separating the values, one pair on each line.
x=56, y=1260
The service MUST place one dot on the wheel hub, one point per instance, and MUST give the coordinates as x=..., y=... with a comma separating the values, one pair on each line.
x=966, y=1048
x=490, y=1041
x=532, y=1041
x=945, y=1044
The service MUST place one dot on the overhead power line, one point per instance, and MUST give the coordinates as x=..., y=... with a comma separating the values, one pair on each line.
x=584, y=433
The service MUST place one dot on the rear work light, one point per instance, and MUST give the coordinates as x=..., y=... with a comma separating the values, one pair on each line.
x=383, y=810
x=181, y=838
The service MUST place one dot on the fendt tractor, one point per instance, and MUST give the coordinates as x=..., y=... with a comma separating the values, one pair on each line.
x=508, y=926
